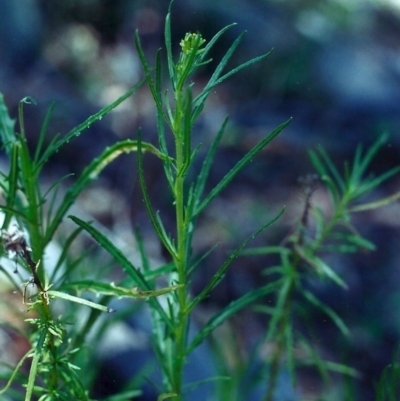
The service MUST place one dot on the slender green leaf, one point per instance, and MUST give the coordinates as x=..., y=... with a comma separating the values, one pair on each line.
x=29, y=354
x=219, y=275
x=42, y=134
x=213, y=83
x=212, y=42
x=320, y=266
x=316, y=360
x=86, y=124
x=128, y=267
x=239, y=166
x=104, y=242
x=126, y=395
x=65, y=250
x=117, y=291
x=199, y=100
x=229, y=311
x=370, y=154
x=164, y=396
x=332, y=169
x=206, y=167
x=156, y=222
x=388, y=388
x=78, y=300
x=326, y=309
x=265, y=250
x=187, y=133
x=52, y=203
x=168, y=46
x=11, y=192
x=150, y=82
x=16, y=213
x=376, y=204
x=355, y=239
x=90, y=173
x=197, y=263
x=35, y=363
x=371, y=184
x=160, y=271
x=7, y=125
x=215, y=79
x=289, y=347
x=279, y=312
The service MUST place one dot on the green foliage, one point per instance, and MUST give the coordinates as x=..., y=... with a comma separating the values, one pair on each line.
x=300, y=257
x=58, y=348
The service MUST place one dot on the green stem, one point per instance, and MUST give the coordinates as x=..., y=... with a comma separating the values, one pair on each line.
x=30, y=185
x=280, y=340
x=180, y=259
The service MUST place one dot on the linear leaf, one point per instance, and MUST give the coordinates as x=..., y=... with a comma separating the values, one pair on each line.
x=370, y=154
x=199, y=101
x=78, y=300
x=105, y=243
x=156, y=222
x=90, y=173
x=239, y=166
x=376, y=204
x=126, y=395
x=86, y=124
x=375, y=182
x=207, y=164
x=127, y=266
x=42, y=134
x=218, y=276
x=326, y=309
x=118, y=291
x=11, y=192
x=150, y=81
x=168, y=45
x=229, y=311
x=320, y=266
x=211, y=43
x=35, y=363
x=7, y=125
x=332, y=169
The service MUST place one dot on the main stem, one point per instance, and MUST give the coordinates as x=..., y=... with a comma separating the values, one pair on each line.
x=180, y=259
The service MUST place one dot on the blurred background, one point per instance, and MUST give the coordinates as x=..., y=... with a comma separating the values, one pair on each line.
x=335, y=68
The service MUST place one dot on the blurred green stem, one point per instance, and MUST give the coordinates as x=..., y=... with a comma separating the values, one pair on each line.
x=180, y=258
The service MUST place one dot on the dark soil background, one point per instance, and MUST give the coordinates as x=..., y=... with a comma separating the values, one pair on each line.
x=335, y=69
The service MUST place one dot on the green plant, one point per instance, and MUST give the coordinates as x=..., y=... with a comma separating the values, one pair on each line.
x=57, y=343
x=52, y=373
x=317, y=233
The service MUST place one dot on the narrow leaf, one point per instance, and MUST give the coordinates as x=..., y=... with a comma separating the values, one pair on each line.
x=118, y=291
x=326, y=309
x=127, y=266
x=11, y=192
x=34, y=365
x=104, y=242
x=207, y=164
x=221, y=271
x=156, y=222
x=229, y=311
x=78, y=300
x=239, y=166
x=7, y=125
x=376, y=204
x=87, y=123
x=320, y=266
x=42, y=134
x=90, y=173
x=149, y=79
